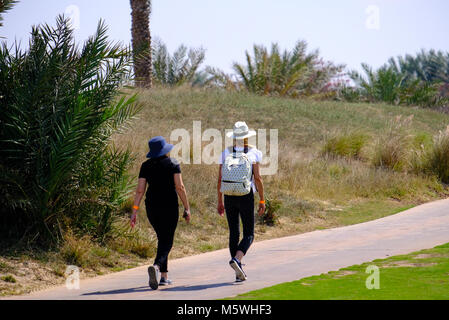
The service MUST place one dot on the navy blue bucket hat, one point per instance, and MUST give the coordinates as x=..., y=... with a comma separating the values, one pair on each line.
x=158, y=147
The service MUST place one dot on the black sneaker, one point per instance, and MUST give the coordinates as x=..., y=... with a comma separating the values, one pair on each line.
x=237, y=266
x=165, y=282
x=153, y=273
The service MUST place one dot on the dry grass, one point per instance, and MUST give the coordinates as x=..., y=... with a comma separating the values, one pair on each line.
x=438, y=157
x=393, y=147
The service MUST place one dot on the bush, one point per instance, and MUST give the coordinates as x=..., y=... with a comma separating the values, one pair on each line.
x=437, y=159
x=135, y=241
x=9, y=278
x=75, y=250
x=142, y=248
x=392, y=149
x=349, y=94
x=345, y=145
x=60, y=106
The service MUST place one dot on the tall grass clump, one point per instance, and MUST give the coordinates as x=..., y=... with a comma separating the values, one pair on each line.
x=60, y=106
x=348, y=145
x=437, y=159
x=392, y=149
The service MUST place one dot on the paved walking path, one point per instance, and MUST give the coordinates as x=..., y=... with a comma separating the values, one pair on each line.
x=208, y=276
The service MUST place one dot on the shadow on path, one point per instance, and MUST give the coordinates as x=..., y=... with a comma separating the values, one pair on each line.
x=119, y=291
x=200, y=287
x=169, y=288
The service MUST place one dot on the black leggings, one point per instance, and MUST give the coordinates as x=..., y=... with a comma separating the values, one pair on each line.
x=164, y=221
x=243, y=207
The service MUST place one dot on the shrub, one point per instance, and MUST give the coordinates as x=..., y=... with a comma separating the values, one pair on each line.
x=9, y=278
x=75, y=250
x=345, y=145
x=347, y=93
x=392, y=149
x=437, y=159
x=135, y=241
x=60, y=105
x=5, y=267
x=142, y=248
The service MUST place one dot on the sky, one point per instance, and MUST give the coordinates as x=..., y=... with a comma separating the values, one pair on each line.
x=346, y=31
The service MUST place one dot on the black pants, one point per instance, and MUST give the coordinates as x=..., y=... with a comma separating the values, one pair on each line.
x=240, y=207
x=164, y=221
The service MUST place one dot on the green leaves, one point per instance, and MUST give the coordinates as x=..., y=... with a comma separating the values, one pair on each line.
x=290, y=73
x=6, y=5
x=176, y=69
x=59, y=107
x=407, y=80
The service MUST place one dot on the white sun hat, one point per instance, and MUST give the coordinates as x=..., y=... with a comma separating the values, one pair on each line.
x=241, y=131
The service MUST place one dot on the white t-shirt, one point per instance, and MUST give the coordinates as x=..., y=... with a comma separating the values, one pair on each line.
x=254, y=155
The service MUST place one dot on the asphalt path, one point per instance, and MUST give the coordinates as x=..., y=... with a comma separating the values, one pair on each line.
x=209, y=276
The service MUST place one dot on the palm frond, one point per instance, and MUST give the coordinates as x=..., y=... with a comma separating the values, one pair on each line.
x=6, y=5
x=178, y=68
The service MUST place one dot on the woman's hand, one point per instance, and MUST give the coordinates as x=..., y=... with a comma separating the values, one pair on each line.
x=220, y=208
x=141, y=187
x=187, y=215
x=133, y=219
x=262, y=208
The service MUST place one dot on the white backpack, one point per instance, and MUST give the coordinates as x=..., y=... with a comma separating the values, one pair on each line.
x=236, y=173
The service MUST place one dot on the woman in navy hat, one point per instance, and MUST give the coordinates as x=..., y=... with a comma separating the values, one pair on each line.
x=162, y=174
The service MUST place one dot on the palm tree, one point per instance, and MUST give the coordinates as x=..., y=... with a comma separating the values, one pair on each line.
x=288, y=73
x=176, y=69
x=5, y=5
x=141, y=42
x=60, y=105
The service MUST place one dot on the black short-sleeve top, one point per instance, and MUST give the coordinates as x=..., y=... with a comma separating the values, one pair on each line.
x=159, y=174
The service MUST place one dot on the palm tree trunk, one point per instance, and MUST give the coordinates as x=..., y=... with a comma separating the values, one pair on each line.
x=141, y=42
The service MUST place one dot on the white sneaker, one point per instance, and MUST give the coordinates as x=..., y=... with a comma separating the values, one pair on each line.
x=153, y=273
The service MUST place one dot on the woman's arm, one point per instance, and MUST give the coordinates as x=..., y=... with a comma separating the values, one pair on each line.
x=220, y=207
x=182, y=193
x=259, y=184
x=141, y=187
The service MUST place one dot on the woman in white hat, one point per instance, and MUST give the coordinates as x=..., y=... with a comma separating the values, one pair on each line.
x=238, y=179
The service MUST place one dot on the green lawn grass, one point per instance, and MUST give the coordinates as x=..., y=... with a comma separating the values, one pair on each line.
x=420, y=275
